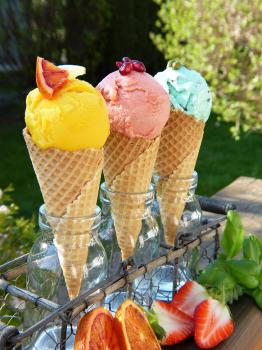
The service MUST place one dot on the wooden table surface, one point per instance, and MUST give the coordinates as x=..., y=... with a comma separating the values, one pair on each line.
x=246, y=193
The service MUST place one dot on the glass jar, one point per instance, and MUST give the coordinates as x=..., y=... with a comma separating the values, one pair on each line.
x=172, y=276
x=146, y=245
x=85, y=258
x=156, y=210
x=139, y=214
x=189, y=223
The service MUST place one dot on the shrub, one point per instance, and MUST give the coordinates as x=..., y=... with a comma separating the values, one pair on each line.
x=222, y=40
x=16, y=232
x=128, y=35
x=92, y=33
x=61, y=31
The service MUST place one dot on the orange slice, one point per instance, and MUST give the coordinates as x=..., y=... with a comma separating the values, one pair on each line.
x=49, y=78
x=133, y=329
x=95, y=331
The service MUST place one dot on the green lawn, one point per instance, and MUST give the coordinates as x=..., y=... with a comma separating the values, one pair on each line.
x=221, y=161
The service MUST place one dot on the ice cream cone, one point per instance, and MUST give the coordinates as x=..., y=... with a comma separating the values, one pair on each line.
x=178, y=151
x=138, y=110
x=69, y=182
x=128, y=169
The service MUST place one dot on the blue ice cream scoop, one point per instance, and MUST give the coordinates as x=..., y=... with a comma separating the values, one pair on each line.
x=187, y=89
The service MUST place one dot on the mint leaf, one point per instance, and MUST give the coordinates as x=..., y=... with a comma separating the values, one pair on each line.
x=245, y=272
x=233, y=235
x=257, y=295
x=215, y=275
x=252, y=249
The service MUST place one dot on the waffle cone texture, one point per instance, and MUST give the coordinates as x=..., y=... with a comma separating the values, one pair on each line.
x=178, y=151
x=69, y=182
x=128, y=169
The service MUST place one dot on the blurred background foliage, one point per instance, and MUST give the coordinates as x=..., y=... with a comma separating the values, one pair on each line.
x=220, y=38
x=92, y=33
x=16, y=232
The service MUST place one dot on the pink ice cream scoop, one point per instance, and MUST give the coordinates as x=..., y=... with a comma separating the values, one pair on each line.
x=138, y=105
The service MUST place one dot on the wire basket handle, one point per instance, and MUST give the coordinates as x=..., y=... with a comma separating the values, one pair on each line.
x=215, y=206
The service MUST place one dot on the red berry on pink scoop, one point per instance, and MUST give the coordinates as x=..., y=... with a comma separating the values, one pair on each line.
x=138, y=66
x=126, y=68
x=127, y=65
x=126, y=59
x=119, y=64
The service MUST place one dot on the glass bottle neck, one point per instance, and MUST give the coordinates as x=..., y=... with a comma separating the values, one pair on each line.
x=183, y=185
x=191, y=192
x=49, y=224
x=143, y=200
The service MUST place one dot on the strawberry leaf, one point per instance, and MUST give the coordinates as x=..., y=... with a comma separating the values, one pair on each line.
x=153, y=321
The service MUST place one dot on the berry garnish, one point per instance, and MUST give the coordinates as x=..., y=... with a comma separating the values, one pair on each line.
x=119, y=64
x=126, y=59
x=127, y=65
x=138, y=66
x=49, y=78
x=126, y=68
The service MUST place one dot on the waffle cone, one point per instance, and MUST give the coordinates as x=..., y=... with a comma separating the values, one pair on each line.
x=178, y=151
x=69, y=182
x=128, y=169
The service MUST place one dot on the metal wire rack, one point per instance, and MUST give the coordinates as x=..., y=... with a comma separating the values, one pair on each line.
x=142, y=283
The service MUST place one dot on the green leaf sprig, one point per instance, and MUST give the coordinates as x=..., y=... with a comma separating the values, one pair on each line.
x=233, y=235
x=228, y=277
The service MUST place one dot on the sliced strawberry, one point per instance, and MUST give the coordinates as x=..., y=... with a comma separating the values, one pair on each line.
x=213, y=323
x=49, y=78
x=176, y=326
x=189, y=296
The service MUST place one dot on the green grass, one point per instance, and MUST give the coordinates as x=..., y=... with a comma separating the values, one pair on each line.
x=16, y=168
x=221, y=161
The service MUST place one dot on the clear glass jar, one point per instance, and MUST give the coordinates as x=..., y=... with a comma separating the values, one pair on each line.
x=146, y=246
x=189, y=224
x=172, y=276
x=45, y=276
x=156, y=210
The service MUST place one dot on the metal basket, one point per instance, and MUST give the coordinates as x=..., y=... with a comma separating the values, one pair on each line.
x=59, y=322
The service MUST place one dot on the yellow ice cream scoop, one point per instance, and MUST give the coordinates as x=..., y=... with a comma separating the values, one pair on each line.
x=75, y=118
